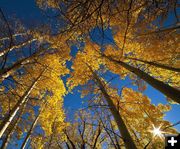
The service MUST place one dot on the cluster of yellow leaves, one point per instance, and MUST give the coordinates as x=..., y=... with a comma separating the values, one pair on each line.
x=37, y=142
x=49, y=87
x=149, y=48
x=52, y=82
x=53, y=114
x=52, y=121
x=140, y=117
x=124, y=16
x=86, y=14
x=81, y=73
x=52, y=89
x=116, y=54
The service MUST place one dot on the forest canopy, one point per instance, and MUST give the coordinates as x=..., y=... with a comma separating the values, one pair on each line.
x=113, y=53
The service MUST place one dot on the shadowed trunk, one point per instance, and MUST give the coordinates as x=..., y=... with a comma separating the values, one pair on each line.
x=156, y=64
x=167, y=90
x=5, y=51
x=128, y=141
x=29, y=132
x=13, y=127
x=32, y=128
x=4, y=73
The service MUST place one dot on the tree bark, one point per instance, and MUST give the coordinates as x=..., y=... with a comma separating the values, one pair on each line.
x=13, y=127
x=128, y=141
x=160, y=31
x=156, y=64
x=14, y=36
x=167, y=90
x=31, y=128
x=5, y=51
x=29, y=133
x=4, y=73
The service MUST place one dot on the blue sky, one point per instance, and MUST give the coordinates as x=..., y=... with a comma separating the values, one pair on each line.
x=30, y=14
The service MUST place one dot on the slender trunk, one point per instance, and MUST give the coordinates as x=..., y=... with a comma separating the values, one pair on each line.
x=5, y=51
x=32, y=128
x=160, y=31
x=29, y=133
x=8, y=136
x=5, y=124
x=13, y=127
x=128, y=141
x=167, y=90
x=134, y=133
x=14, y=36
x=156, y=64
x=4, y=73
